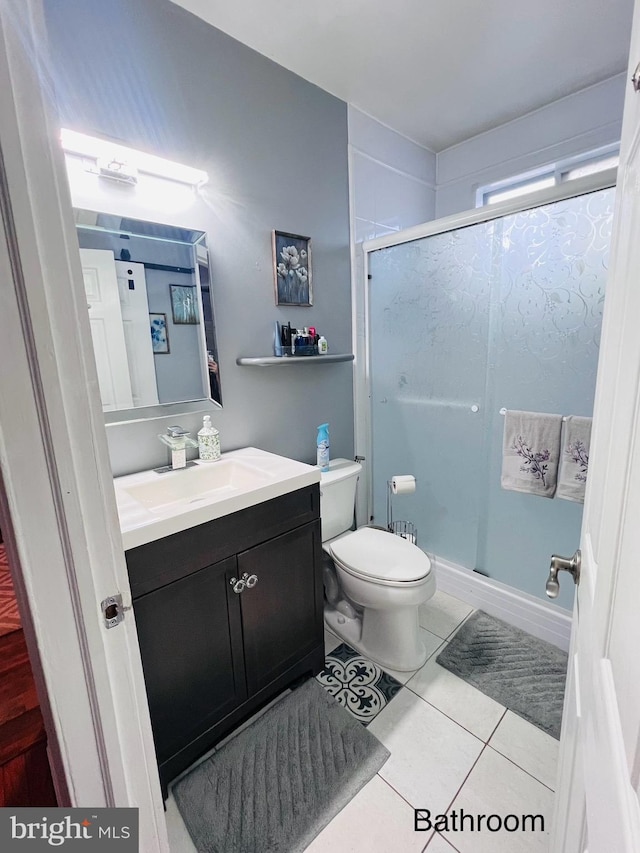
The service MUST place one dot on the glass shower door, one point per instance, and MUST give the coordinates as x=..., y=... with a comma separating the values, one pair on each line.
x=429, y=308
x=543, y=357
x=502, y=314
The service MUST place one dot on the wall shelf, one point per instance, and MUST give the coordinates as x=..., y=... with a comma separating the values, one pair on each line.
x=276, y=361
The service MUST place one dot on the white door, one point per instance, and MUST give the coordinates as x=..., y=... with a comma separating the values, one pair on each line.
x=105, y=316
x=57, y=505
x=597, y=805
x=134, y=305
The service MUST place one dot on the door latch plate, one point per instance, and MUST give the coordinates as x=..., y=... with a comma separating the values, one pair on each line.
x=113, y=610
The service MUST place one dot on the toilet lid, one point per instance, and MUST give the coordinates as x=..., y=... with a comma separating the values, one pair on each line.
x=379, y=555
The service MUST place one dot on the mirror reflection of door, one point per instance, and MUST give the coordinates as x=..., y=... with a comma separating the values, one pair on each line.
x=132, y=287
x=105, y=316
x=119, y=316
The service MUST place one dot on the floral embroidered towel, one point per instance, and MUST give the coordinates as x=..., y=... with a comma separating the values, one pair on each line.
x=530, y=452
x=574, y=458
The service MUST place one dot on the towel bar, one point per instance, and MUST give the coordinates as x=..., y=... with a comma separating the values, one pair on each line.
x=503, y=412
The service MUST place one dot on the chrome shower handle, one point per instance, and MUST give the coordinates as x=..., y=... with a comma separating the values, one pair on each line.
x=562, y=564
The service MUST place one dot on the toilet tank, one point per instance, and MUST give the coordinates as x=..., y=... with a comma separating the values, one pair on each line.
x=338, y=496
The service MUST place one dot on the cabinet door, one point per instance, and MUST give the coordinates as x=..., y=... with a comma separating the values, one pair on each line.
x=191, y=645
x=282, y=613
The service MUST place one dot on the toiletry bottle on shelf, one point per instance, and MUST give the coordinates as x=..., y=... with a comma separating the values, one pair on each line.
x=277, y=340
x=208, y=441
x=323, y=346
x=323, y=447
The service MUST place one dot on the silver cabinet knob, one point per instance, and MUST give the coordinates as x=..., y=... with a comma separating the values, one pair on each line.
x=246, y=581
x=238, y=585
x=562, y=564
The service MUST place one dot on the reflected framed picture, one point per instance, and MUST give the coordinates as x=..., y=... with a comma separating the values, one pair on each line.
x=184, y=304
x=159, y=333
x=292, y=269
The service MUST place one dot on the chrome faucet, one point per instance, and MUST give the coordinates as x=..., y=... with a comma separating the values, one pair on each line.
x=177, y=439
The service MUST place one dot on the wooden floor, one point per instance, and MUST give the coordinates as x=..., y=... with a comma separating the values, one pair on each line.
x=25, y=777
x=9, y=616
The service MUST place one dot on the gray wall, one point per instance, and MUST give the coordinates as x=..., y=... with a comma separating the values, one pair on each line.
x=177, y=380
x=154, y=77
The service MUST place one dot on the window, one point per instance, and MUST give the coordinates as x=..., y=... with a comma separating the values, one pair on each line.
x=549, y=176
x=591, y=167
x=492, y=197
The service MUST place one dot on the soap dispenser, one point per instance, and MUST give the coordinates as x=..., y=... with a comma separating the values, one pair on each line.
x=208, y=441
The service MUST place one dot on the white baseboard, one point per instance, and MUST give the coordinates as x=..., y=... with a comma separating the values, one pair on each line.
x=545, y=621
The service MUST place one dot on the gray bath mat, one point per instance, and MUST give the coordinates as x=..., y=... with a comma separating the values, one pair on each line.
x=274, y=786
x=523, y=673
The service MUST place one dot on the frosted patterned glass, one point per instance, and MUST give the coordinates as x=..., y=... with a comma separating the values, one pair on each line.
x=505, y=313
x=544, y=355
x=425, y=298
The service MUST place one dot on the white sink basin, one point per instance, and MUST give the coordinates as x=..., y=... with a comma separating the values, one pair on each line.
x=153, y=505
x=198, y=483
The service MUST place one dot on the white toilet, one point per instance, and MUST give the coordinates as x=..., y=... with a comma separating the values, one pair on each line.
x=379, y=580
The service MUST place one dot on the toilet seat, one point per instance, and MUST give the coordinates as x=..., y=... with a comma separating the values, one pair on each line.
x=381, y=557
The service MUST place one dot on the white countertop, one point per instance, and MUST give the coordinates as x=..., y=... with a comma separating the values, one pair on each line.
x=274, y=476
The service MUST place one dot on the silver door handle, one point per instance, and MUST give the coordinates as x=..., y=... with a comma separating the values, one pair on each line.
x=252, y=580
x=563, y=564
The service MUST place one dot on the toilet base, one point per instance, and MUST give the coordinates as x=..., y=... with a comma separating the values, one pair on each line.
x=390, y=638
x=346, y=628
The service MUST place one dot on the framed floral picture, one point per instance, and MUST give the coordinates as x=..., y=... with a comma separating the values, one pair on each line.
x=292, y=269
x=184, y=304
x=159, y=333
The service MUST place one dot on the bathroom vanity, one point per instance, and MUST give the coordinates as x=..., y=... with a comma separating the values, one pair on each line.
x=228, y=604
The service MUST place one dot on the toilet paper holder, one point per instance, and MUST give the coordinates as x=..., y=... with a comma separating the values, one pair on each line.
x=405, y=529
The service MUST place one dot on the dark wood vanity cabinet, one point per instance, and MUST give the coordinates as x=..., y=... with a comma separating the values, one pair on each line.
x=212, y=656
x=191, y=654
x=279, y=615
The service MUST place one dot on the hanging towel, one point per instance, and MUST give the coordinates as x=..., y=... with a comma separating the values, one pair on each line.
x=574, y=458
x=530, y=452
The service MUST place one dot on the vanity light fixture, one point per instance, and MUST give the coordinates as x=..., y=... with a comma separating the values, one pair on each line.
x=118, y=162
x=118, y=170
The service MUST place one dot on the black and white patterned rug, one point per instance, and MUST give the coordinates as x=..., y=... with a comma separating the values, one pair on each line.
x=358, y=684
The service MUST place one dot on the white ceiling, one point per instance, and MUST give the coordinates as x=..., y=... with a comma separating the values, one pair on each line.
x=438, y=71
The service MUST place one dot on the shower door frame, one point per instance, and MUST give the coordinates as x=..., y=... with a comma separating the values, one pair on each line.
x=363, y=437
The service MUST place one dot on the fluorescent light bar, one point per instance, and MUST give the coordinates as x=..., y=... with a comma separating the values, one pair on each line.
x=102, y=149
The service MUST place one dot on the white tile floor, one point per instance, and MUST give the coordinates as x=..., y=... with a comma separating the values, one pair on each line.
x=451, y=748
